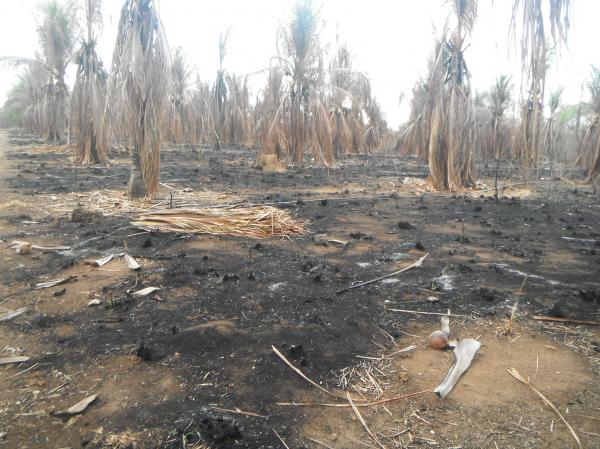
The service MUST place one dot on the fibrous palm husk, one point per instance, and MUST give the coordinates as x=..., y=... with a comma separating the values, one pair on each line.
x=258, y=222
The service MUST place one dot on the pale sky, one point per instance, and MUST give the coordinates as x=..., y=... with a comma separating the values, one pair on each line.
x=390, y=39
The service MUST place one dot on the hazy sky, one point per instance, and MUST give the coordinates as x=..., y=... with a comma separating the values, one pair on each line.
x=390, y=39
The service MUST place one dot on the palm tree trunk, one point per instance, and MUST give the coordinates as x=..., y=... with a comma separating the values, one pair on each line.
x=137, y=187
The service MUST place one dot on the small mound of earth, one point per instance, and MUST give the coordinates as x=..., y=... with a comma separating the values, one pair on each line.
x=85, y=216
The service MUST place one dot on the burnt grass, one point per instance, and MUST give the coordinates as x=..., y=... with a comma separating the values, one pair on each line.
x=279, y=292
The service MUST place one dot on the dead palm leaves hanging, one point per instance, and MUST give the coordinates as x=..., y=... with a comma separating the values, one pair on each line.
x=445, y=123
x=89, y=93
x=350, y=93
x=301, y=121
x=138, y=91
x=528, y=16
x=57, y=37
x=180, y=74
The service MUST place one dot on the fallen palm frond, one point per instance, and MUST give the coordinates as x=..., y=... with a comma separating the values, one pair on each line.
x=513, y=372
x=258, y=222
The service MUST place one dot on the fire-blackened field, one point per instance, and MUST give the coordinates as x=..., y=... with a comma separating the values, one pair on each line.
x=192, y=365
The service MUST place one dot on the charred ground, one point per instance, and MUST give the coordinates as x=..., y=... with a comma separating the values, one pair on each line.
x=163, y=366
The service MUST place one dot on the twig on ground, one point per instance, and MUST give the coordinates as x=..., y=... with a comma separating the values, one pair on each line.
x=314, y=440
x=417, y=264
x=359, y=404
x=237, y=411
x=281, y=439
x=513, y=372
x=429, y=313
x=11, y=315
x=565, y=320
x=301, y=374
x=362, y=421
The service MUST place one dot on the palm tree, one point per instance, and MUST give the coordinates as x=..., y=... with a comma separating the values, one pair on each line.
x=180, y=74
x=589, y=151
x=89, y=93
x=23, y=106
x=552, y=127
x=56, y=33
x=500, y=95
x=447, y=117
x=302, y=120
x=220, y=94
x=348, y=99
x=535, y=54
x=138, y=91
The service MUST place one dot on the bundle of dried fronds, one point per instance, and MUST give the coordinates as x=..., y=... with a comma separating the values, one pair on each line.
x=589, y=151
x=180, y=74
x=89, y=93
x=57, y=37
x=138, y=91
x=301, y=121
x=257, y=222
x=535, y=56
x=447, y=118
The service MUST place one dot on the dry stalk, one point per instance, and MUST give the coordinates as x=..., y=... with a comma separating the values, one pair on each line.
x=513, y=372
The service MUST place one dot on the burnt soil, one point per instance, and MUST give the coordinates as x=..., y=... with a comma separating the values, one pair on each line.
x=166, y=366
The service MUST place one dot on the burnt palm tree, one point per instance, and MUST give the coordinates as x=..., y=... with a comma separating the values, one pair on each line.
x=89, y=93
x=138, y=91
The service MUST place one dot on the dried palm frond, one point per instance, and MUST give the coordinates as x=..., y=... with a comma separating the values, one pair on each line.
x=138, y=91
x=89, y=93
x=257, y=222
